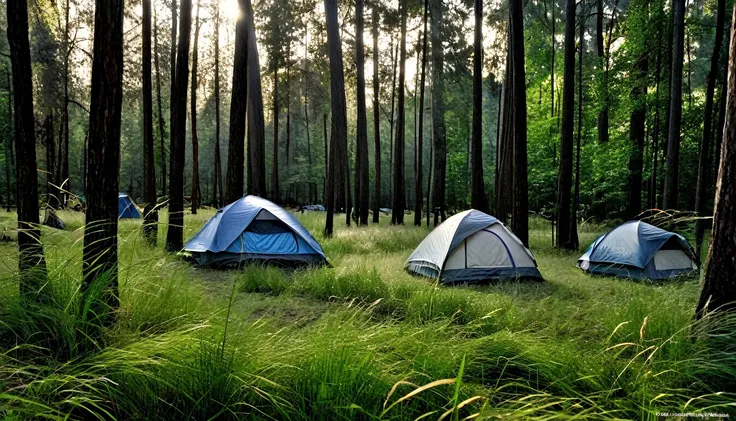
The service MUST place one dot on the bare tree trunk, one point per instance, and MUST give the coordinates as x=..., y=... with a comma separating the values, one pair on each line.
x=64, y=150
x=161, y=130
x=704, y=158
x=327, y=160
x=8, y=142
x=394, y=59
x=100, y=255
x=438, y=113
x=150, y=224
x=505, y=146
x=574, y=242
x=376, y=118
x=175, y=234
x=719, y=283
x=399, y=198
x=671, y=183
x=520, y=210
x=217, y=186
x=172, y=77
x=238, y=108
x=654, y=191
x=478, y=198
x=419, y=194
x=196, y=193
x=566, y=143
x=603, y=59
x=257, y=158
x=287, y=151
x=275, y=164
x=362, y=195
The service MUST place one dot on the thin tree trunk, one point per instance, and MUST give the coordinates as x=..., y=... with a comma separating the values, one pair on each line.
x=399, y=198
x=217, y=186
x=100, y=257
x=671, y=183
x=419, y=194
x=8, y=142
x=438, y=113
x=172, y=77
x=275, y=164
x=520, y=210
x=655, y=138
x=175, y=234
x=603, y=59
x=66, y=187
x=637, y=133
x=238, y=108
x=288, y=148
x=376, y=119
x=362, y=195
x=478, y=198
x=564, y=216
x=196, y=193
x=150, y=224
x=574, y=242
x=327, y=164
x=257, y=158
x=161, y=130
x=394, y=59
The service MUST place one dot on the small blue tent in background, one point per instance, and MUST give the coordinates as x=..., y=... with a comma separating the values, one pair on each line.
x=254, y=229
x=639, y=250
x=126, y=207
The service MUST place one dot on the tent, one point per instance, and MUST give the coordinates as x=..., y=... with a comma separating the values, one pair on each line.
x=51, y=219
x=472, y=247
x=254, y=229
x=126, y=207
x=639, y=250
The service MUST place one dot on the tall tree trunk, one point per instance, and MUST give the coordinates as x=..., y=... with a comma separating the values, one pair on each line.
x=326, y=175
x=287, y=151
x=419, y=193
x=574, y=242
x=217, y=186
x=654, y=191
x=438, y=113
x=704, y=158
x=376, y=118
x=238, y=107
x=100, y=255
x=64, y=175
x=362, y=192
x=312, y=187
x=429, y=180
x=554, y=54
x=275, y=164
x=505, y=145
x=566, y=143
x=394, y=59
x=478, y=198
x=31, y=262
x=150, y=228
x=338, y=137
x=8, y=144
x=671, y=183
x=257, y=157
x=161, y=130
x=175, y=234
x=603, y=59
x=399, y=193
x=196, y=193
x=638, y=124
x=719, y=282
x=520, y=211
x=50, y=146
x=172, y=77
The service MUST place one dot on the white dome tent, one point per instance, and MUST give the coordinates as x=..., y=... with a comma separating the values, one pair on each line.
x=472, y=247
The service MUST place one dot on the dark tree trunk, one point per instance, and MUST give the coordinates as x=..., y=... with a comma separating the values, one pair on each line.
x=719, y=283
x=64, y=150
x=100, y=255
x=654, y=191
x=552, y=67
x=288, y=148
x=505, y=145
x=172, y=77
x=150, y=228
x=376, y=119
x=478, y=198
x=50, y=146
x=326, y=175
x=574, y=241
x=564, y=184
x=399, y=187
x=362, y=195
x=603, y=59
x=217, y=186
x=704, y=161
x=429, y=181
x=419, y=193
x=8, y=144
x=161, y=130
x=196, y=193
x=338, y=137
x=671, y=183
x=238, y=105
x=257, y=157
x=520, y=210
x=394, y=59
x=275, y=164
x=438, y=113
x=175, y=234
x=31, y=262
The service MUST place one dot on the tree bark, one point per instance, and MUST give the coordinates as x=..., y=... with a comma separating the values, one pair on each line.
x=31, y=262
x=438, y=113
x=100, y=257
x=719, y=282
x=172, y=77
x=196, y=193
x=704, y=161
x=161, y=130
x=671, y=183
x=238, y=108
x=64, y=150
x=257, y=157
x=603, y=59
x=175, y=234
x=150, y=228
x=478, y=198
x=392, y=122
x=217, y=187
x=654, y=191
x=574, y=241
x=275, y=164
x=399, y=182
x=520, y=210
x=419, y=191
x=376, y=119
x=8, y=144
x=566, y=144
x=362, y=195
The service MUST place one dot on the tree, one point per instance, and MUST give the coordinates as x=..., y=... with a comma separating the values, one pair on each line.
x=100, y=253
x=172, y=77
x=275, y=164
x=31, y=261
x=418, y=195
x=603, y=59
x=574, y=241
x=238, y=108
x=520, y=210
x=217, y=187
x=719, y=281
x=338, y=135
x=704, y=161
x=399, y=182
x=478, y=198
x=671, y=183
x=161, y=130
x=175, y=234
x=376, y=118
x=361, y=141
x=149, y=168
x=195, y=197
x=257, y=157
x=438, y=113
x=566, y=143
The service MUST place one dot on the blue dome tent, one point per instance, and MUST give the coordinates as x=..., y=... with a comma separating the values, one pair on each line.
x=126, y=207
x=472, y=247
x=639, y=250
x=254, y=229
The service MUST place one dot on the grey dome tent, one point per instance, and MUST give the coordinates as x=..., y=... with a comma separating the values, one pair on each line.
x=472, y=247
x=126, y=207
x=253, y=229
x=639, y=250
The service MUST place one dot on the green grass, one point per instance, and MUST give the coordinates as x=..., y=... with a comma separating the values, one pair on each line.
x=360, y=340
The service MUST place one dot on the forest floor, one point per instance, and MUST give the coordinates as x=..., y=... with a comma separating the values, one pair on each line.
x=355, y=340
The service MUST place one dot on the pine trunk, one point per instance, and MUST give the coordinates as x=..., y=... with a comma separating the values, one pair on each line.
x=362, y=191
x=217, y=179
x=196, y=193
x=419, y=191
x=238, y=108
x=275, y=162
x=520, y=210
x=161, y=130
x=376, y=119
x=478, y=198
x=564, y=186
x=399, y=182
x=438, y=113
x=671, y=183
x=257, y=157
x=172, y=77
x=574, y=242
x=150, y=228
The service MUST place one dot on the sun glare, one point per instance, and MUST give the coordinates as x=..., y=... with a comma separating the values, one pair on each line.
x=230, y=9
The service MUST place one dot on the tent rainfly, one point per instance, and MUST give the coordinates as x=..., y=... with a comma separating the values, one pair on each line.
x=639, y=250
x=253, y=229
x=126, y=207
x=472, y=247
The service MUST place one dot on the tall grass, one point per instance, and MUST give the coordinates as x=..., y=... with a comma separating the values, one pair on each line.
x=361, y=340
